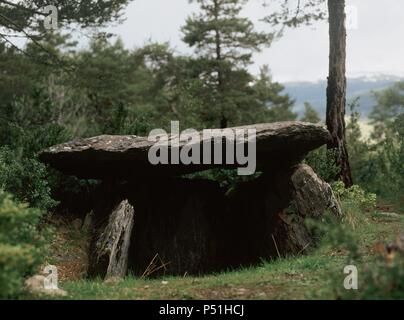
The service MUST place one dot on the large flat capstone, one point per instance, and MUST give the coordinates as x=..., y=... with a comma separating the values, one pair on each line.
x=280, y=144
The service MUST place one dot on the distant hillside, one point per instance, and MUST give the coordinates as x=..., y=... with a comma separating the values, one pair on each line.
x=315, y=93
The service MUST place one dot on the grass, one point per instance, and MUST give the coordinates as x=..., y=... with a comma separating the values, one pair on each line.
x=278, y=280
x=303, y=277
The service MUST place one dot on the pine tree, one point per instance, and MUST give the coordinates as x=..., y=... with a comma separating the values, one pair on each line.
x=278, y=106
x=310, y=114
x=224, y=43
x=389, y=105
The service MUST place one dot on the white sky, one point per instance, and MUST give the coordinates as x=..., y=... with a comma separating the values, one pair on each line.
x=376, y=46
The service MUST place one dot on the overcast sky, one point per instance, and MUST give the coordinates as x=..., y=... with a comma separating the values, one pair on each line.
x=375, y=46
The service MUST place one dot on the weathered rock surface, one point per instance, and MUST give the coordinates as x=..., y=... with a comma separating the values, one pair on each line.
x=278, y=144
x=110, y=256
x=312, y=195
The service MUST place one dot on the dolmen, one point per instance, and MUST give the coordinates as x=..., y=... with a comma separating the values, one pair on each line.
x=151, y=218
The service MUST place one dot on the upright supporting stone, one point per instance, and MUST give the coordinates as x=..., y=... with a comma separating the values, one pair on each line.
x=110, y=254
x=313, y=196
x=290, y=235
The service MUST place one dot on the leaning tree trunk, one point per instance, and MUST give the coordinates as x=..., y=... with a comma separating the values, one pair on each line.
x=336, y=91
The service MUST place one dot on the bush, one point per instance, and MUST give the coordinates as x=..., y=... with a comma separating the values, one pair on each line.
x=355, y=195
x=380, y=280
x=29, y=125
x=21, y=245
x=380, y=277
x=25, y=178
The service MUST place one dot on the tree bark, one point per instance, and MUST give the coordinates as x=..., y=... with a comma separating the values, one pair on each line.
x=336, y=91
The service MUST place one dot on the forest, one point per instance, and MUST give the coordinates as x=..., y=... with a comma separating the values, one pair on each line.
x=54, y=89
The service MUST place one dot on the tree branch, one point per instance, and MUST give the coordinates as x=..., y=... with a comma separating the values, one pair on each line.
x=58, y=61
x=19, y=6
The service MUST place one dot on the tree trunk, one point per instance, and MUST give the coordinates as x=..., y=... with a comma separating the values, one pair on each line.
x=336, y=91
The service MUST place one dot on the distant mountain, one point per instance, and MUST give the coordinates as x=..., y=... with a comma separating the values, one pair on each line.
x=362, y=87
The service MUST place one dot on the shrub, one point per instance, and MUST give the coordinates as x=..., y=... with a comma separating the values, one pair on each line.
x=380, y=280
x=25, y=178
x=27, y=126
x=380, y=277
x=355, y=195
x=21, y=245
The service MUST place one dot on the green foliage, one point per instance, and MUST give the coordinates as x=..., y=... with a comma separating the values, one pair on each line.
x=12, y=83
x=322, y=161
x=279, y=107
x=390, y=104
x=358, y=148
x=389, y=178
x=29, y=124
x=294, y=13
x=380, y=281
x=105, y=71
x=219, y=26
x=355, y=194
x=21, y=245
x=380, y=277
x=28, y=127
x=24, y=15
x=377, y=164
x=26, y=178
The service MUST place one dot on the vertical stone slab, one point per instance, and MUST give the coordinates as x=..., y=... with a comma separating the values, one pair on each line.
x=313, y=196
x=110, y=255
